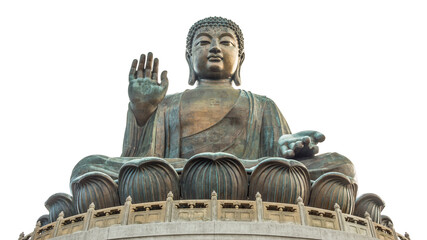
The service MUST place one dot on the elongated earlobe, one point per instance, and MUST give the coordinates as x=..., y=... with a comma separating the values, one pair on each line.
x=236, y=77
x=192, y=78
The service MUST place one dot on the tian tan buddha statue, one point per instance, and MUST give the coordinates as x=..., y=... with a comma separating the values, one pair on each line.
x=210, y=138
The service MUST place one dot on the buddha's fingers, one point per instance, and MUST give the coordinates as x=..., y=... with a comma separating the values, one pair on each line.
x=306, y=140
x=147, y=72
x=140, y=71
x=314, y=149
x=155, y=70
x=296, y=145
x=164, y=79
x=287, y=153
x=133, y=69
x=319, y=137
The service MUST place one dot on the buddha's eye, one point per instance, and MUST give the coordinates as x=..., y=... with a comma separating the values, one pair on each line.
x=227, y=43
x=203, y=42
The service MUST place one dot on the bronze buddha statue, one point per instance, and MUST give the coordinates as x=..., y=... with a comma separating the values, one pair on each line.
x=213, y=117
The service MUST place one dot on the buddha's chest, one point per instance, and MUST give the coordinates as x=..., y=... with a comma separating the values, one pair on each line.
x=201, y=109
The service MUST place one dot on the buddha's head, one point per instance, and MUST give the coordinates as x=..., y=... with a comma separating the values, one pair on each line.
x=215, y=50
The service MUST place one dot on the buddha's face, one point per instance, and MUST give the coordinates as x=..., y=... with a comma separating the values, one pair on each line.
x=215, y=53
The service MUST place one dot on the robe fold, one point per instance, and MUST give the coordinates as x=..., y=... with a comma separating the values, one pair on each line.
x=160, y=136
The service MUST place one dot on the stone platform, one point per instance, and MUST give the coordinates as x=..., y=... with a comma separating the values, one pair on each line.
x=223, y=230
x=213, y=219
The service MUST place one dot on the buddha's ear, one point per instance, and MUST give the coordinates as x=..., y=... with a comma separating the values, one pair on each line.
x=236, y=78
x=192, y=78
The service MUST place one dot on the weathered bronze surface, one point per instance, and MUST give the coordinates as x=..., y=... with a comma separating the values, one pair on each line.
x=147, y=180
x=334, y=188
x=280, y=180
x=57, y=203
x=370, y=203
x=386, y=221
x=212, y=117
x=43, y=219
x=219, y=172
x=94, y=187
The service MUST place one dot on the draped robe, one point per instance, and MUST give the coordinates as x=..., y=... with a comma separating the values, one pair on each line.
x=256, y=138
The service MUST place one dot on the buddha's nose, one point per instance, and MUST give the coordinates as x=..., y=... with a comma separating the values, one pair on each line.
x=214, y=48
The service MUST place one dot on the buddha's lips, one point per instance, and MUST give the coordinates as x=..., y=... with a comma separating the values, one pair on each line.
x=215, y=58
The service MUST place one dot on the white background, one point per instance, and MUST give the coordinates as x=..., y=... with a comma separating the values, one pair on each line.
x=354, y=70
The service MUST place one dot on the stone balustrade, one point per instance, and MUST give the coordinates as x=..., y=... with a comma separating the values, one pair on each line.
x=213, y=210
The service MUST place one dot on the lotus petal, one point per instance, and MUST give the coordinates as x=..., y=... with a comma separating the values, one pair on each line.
x=96, y=187
x=59, y=202
x=370, y=203
x=43, y=219
x=331, y=188
x=219, y=172
x=147, y=180
x=280, y=180
x=386, y=221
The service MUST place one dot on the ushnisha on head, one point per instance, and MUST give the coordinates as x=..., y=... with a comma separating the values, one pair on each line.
x=215, y=50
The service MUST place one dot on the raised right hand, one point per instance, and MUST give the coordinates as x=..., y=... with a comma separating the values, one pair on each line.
x=145, y=93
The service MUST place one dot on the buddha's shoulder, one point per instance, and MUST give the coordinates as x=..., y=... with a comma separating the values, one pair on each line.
x=172, y=98
x=256, y=97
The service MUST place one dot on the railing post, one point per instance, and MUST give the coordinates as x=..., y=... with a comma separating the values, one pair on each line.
x=340, y=218
x=169, y=207
x=214, y=206
x=259, y=207
x=36, y=229
x=58, y=223
x=88, y=217
x=371, y=225
x=126, y=210
x=302, y=213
